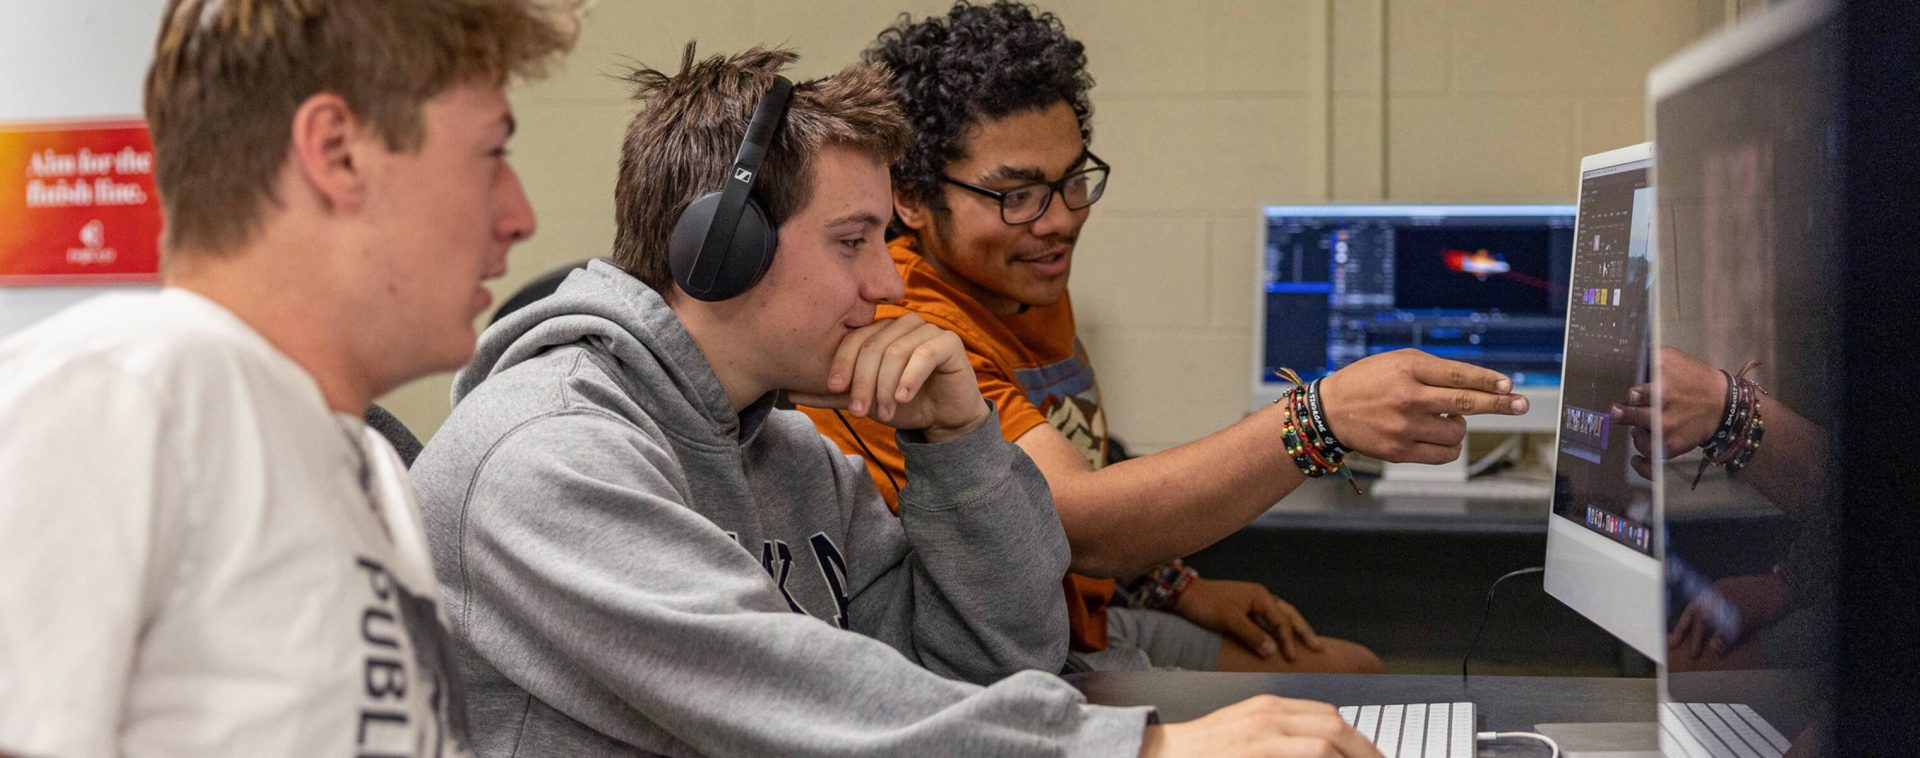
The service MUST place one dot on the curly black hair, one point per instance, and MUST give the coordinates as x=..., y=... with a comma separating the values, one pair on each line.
x=979, y=62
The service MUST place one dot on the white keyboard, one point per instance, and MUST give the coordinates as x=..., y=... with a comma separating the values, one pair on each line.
x=1717, y=730
x=1418, y=730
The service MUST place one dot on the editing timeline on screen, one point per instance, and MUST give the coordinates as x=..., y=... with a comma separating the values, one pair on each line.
x=1608, y=339
x=1481, y=284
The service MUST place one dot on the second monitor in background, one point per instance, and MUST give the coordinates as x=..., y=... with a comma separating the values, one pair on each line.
x=1483, y=284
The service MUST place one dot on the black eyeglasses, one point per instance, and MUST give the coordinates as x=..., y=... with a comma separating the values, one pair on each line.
x=1028, y=202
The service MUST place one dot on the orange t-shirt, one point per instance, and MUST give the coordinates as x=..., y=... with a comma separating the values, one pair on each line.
x=1033, y=368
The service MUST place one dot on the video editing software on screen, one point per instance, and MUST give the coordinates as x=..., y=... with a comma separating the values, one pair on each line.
x=1482, y=284
x=1607, y=343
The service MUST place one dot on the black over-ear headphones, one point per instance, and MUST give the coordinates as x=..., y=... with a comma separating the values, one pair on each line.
x=724, y=241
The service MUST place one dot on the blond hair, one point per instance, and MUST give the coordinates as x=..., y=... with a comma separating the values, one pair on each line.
x=228, y=76
x=681, y=143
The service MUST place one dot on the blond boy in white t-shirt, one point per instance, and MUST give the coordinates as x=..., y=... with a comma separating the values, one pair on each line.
x=206, y=551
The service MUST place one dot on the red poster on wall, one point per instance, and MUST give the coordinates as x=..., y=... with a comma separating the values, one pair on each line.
x=77, y=204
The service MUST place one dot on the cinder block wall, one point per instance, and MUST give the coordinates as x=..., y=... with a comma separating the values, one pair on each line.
x=1208, y=110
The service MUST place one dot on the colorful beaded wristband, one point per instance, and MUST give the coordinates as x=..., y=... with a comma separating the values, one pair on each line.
x=1304, y=431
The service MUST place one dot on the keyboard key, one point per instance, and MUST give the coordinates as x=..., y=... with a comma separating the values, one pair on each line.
x=1413, y=731
x=1675, y=739
x=1766, y=730
x=1460, y=739
x=1701, y=733
x=1437, y=722
x=1746, y=732
x=1730, y=743
x=1369, y=723
x=1389, y=740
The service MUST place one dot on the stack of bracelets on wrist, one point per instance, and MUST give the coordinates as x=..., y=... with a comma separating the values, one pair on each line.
x=1733, y=445
x=1309, y=440
x=1160, y=588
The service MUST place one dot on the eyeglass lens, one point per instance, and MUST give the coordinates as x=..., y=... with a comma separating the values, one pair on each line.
x=1026, y=203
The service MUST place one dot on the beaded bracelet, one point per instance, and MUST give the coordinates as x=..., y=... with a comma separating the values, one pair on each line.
x=1304, y=431
x=1741, y=430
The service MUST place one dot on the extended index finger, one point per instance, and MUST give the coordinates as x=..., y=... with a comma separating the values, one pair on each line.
x=1469, y=402
x=1440, y=372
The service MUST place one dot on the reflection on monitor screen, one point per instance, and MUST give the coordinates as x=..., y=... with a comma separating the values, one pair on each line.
x=1747, y=137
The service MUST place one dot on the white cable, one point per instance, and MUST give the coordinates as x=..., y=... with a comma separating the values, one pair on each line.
x=1490, y=736
x=1495, y=455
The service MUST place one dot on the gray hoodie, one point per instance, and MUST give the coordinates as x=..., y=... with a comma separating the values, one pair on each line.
x=631, y=567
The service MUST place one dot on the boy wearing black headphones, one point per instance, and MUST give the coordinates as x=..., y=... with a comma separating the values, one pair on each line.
x=639, y=546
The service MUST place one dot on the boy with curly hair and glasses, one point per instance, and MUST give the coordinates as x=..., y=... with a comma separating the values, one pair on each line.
x=989, y=201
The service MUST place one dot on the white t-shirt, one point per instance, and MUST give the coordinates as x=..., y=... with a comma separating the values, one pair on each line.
x=198, y=557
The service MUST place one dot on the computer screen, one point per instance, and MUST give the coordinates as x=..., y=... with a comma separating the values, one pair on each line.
x=1608, y=332
x=1602, y=543
x=1747, y=161
x=1481, y=284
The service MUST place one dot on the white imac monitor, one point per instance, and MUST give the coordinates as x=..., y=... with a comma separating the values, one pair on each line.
x=1603, y=547
x=1483, y=284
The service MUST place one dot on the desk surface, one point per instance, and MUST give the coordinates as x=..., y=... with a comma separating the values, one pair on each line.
x=1329, y=504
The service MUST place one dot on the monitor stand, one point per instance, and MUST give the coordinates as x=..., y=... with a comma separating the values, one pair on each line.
x=1411, y=476
x=1422, y=479
x=1450, y=480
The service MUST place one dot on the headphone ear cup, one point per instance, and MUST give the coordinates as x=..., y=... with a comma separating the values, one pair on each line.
x=689, y=234
x=753, y=246
x=738, y=268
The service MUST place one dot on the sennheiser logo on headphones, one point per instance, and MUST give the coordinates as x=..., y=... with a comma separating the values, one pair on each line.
x=742, y=175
